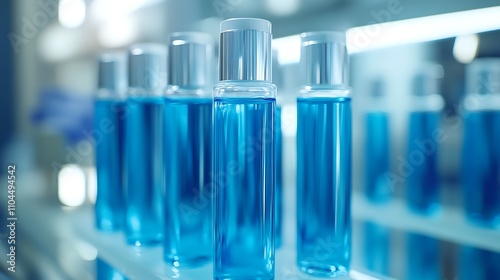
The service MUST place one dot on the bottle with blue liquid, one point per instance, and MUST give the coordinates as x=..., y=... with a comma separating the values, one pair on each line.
x=109, y=114
x=423, y=258
x=278, y=148
x=478, y=264
x=421, y=163
x=377, y=143
x=324, y=157
x=144, y=145
x=481, y=143
x=244, y=166
x=188, y=150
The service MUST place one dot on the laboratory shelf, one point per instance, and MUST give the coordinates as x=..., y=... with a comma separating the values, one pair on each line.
x=448, y=225
x=43, y=220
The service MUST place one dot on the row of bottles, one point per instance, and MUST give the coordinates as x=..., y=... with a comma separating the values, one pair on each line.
x=480, y=172
x=200, y=171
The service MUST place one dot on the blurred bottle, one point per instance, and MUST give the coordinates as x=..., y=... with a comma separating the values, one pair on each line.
x=481, y=146
x=108, y=132
x=478, y=264
x=376, y=248
x=423, y=258
x=377, y=186
x=188, y=150
x=324, y=157
x=421, y=164
x=143, y=143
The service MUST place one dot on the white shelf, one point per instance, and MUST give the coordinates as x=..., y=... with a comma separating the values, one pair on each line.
x=449, y=225
x=76, y=225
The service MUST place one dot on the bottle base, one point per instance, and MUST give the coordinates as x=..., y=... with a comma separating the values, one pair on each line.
x=321, y=270
x=187, y=261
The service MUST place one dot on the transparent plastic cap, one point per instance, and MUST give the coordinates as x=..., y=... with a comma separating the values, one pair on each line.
x=428, y=79
x=245, y=50
x=483, y=76
x=147, y=67
x=112, y=72
x=190, y=60
x=324, y=58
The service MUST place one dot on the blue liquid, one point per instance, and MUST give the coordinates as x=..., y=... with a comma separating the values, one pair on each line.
x=144, y=169
x=244, y=188
x=423, y=261
x=376, y=248
x=481, y=167
x=377, y=187
x=188, y=163
x=422, y=163
x=108, y=135
x=106, y=272
x=324, y=185
x=278, y=190
x=479, y=264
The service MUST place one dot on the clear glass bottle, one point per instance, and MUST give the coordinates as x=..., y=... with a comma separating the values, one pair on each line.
x=324, y=157
x=421, y=163
x=377, y=143
x=481, y=144
x=109, y=141
x=144, y=153
x=244, y=112
x=188, y=150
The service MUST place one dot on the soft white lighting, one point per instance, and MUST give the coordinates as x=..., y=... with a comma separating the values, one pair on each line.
x=71, y=185
x=103, y=10
x=58, y=43
x=289, y=120
x=71, y=13
x=117, y=32
x=86, y=250
x=282, y=7
x=288, y=49
x=422, y=29
x=91, y=184
x=465, y=48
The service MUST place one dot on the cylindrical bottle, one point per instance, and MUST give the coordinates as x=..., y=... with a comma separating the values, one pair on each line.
x=377, y=143
x=422, y=258
x=243, y=178
x=481, y=144
x=421, y=164
x=144, y=153
x=324, y=157
x=478, y=264
x=109, y=141
x=188, y=150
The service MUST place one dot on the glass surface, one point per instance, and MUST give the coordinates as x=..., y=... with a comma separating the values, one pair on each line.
x=144, y=169
x=108, y=133
x=324, y=185
x=244, y=187
x=188, y=163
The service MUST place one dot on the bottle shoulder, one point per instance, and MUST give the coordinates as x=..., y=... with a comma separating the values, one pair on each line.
x=430, y=102
x=245, y=89
x=323, y=91
x=175, y=92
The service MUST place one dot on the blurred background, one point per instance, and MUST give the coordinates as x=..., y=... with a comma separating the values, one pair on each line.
x=48, y=76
